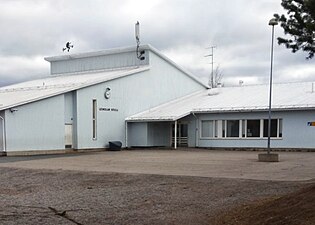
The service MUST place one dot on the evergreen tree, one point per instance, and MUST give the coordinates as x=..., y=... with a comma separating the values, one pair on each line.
x=300, y=24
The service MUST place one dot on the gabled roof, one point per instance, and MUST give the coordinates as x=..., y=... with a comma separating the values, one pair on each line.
x=30, y=91
x=288, y=96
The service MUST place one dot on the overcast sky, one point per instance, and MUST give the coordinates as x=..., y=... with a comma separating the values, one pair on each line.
x=181, y=29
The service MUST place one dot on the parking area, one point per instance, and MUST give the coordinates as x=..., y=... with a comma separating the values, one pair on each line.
x=293, y=166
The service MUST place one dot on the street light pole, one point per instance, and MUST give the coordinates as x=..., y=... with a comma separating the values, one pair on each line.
x=272, y=23
x=270, y=157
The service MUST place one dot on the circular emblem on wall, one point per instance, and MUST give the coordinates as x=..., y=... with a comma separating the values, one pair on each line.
x=107, y=93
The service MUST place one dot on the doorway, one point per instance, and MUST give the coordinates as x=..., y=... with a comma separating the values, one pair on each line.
x=182, y=134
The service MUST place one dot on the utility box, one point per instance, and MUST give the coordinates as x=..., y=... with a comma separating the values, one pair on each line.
x=115, y=145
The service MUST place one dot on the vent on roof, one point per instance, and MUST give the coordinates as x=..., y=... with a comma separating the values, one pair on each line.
x=213, y=91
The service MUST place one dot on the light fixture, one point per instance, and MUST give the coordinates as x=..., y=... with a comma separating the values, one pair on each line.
x=107, y=93
x=12, y=110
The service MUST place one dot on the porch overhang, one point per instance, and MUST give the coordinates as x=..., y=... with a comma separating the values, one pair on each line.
x=156, y=118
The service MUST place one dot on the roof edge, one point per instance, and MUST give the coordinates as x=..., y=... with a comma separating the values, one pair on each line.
x=191, y=75
x=124, y=74
x=95, y=53
x=122, y=50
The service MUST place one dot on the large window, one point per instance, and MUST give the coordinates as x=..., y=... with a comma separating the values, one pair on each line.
x=207, y=128
x=232, y=128
x=251, y=128
x=94, y=117
x=276, y=128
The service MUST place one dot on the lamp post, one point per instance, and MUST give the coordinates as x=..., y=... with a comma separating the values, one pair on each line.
x=272, y=23
x=270, y=157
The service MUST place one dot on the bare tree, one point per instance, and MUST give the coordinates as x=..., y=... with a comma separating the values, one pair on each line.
x=217, y=76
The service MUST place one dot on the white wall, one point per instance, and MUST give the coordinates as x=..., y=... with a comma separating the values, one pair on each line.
x=120, y=60
x=36, y=126
x=159, y=134
x=295, y=132
x=137, y=134
x=130, y=95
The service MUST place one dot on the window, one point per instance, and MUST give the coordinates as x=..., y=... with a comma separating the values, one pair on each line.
x=207, y=128
x=233, y=128
x=223, y=128
x=280, y=127
x=216, y=128
x=94, y=117
x=276, y=128
x=253, y=128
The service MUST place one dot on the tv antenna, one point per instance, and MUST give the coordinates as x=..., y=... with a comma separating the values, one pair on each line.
x=138, y=51
x=211, y=79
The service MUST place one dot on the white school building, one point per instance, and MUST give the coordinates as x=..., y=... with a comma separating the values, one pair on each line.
x=92, y=98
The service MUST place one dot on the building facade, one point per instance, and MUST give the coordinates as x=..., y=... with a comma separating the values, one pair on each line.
x=84, y=102
x=93, y=98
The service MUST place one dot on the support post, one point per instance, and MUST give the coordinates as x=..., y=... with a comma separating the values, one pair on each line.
x=175, y=138
x=3, y=133
x=126, y=134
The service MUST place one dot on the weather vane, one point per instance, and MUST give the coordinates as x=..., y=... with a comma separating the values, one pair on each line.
x=68, y=46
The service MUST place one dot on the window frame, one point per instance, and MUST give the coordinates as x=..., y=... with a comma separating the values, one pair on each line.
x=219, y=129
x=94, y=119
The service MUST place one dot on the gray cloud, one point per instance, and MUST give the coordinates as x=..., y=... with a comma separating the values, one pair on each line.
x=182, y=29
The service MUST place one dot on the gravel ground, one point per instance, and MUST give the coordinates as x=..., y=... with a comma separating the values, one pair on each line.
x=69, y=197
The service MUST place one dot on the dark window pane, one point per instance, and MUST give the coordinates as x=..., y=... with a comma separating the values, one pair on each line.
x=273, y=130
x=253, y=128
x=184, y=130
x=233, y=129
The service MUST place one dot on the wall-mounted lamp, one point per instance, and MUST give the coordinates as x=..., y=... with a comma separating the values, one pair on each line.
x=12, y=110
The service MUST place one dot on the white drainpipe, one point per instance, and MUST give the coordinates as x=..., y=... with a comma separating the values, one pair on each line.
x=3, y=133
x=126, y=134
x=175, y=139
x=197, y=130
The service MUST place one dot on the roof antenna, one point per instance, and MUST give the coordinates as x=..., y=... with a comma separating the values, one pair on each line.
x=139, y=52
x=68, y=46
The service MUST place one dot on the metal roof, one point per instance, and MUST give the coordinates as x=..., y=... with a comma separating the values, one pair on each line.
x=286, y=96
x=30, y=91
x=121, y=50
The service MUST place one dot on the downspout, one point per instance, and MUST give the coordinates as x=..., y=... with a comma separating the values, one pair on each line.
x=175, y=139
x=197, y=129
x=3, y=133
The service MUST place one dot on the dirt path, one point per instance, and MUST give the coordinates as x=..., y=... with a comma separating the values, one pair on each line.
x=69, y=197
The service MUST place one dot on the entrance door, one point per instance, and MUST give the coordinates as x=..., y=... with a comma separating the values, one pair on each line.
x=68, y=135
x=182, y=134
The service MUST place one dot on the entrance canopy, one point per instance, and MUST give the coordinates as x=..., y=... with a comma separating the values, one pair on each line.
x=170, y=111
